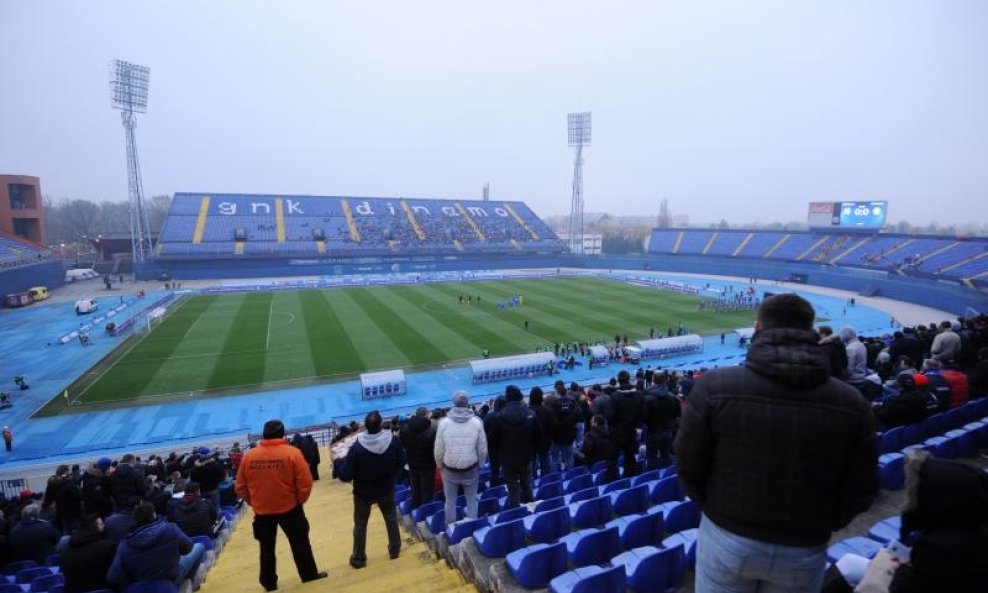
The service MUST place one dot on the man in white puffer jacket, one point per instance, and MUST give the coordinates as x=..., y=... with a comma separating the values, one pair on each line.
x=461, y=450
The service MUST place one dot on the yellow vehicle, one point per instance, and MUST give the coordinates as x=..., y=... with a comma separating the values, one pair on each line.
x=38, y=293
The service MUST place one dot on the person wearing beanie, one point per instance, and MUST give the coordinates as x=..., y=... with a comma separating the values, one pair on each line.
x=547, y=421
x=516, y=436
x=372, y=464
x=460, y=451
x=906, y=408
x=275, y=481
x=418, y=438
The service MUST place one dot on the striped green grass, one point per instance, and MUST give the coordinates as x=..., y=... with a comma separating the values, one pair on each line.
x=241, y=341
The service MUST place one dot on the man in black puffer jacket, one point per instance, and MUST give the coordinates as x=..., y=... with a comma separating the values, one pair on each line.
x=418, y=437
x=194, y=515
x=777, y=454
x=516, y=436
x=87, y=558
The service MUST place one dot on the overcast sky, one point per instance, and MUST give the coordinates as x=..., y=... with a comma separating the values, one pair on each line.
x=744, y=110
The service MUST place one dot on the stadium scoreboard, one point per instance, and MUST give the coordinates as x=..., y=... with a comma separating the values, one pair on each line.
x=860, y=215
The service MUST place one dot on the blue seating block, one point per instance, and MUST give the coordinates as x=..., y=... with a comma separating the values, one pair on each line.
x=891, y=473
x=494, y=492
x=460, y=530
x=861, y=546
x=436, y=522
x=549, y=504
x=580, y=482
x=687, y=538
x=638, y=530
x=591, y=579
x=665, y=489
x=885, y=530
x=630, y=501
x=509, y=515
x=26, y=575
x=43, y=583
x=12, y=568
x=419, y=514
x=653, y=570
x=942, y=447
x=488, y=506
x=965, y=441
x=585, y=494
x=534, y=566
x=891, y=440
x=590, y=513
x=648, y=476
x=548, y=526
x=681, y=516
x=549, y=490
x=616, y=485
x=498, y=540
x=591, y=546
x=576, y=471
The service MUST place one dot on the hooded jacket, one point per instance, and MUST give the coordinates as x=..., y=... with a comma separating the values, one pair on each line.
x=460, y=440
x=516, y=434
x=418, y=437
x=372, y=464
x=274, y=478
x=86, y=560
x=149, y=552
x=946, y=511
x=194, y=515
x=777, y=450
x=127, y=486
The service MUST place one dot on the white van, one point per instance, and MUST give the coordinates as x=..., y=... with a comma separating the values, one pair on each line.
x=80, y=274
x=86, y=306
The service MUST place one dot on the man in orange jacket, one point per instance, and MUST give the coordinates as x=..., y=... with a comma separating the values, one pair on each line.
x=274, y=479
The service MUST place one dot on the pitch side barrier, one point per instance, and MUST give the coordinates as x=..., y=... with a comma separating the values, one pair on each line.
x=121, y=327
x=674, y=346
x=486, y=370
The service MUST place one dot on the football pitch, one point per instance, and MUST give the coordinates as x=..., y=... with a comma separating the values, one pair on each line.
x=227, y=342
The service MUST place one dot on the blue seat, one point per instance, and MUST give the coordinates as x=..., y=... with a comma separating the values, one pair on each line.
x=585, y=494
x=436, y=522
x=942, y=447
x=653, y=570
x=26, y=575
x=598, y=466
x=488, y=506
x=591, y=546
x=681, y=516
x=687, y=538
x=549, y=504
x=405, y=506
x=891, y=473
x=497, y=540
x=954, y=418
x=600, y=477
x=638, y=530
x=402, y=495
x=886, y=530
x=494, y=492
x=6, y=587
x=548, y=526
x=913, y=433
x=14, y=567
x=860, y=546
x=206, y=541
x=591, y=579
x=156, y=586
x=980, y=430
x=590, y=513
x=891, y=440
x=52, y=559
x=665, y=489
x=935, y=425
x=57, y=588
x=668, y=471
x=534, y=566
x=550, y=490
x=419, y=514
x=630, y=501
x=580, y=482
x=617, y=485
x=43, y=583
x=550, y=478
x=576, y=471
x=510, y=515
x=458, y=531
x=648, y=476
x=965, y=441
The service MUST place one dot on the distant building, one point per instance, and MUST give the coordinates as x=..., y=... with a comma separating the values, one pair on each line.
x=591, y=242
x=21, y=210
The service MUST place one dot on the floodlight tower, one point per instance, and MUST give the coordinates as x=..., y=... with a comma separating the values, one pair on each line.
x=129, y=94
x=578, y=125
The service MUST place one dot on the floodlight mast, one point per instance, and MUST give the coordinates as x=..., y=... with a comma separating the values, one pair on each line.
x=129, y=94
x=578, y=125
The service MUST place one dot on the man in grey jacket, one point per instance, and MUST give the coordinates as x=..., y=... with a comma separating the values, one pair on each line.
x=461, y=450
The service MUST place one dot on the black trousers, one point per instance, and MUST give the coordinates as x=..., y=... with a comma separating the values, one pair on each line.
x=296, y=528
x=423, y=486
x=361, y=513
x=519, y=482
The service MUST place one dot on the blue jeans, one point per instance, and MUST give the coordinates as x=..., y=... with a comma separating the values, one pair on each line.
x=188, y=563
x=452, y=482
x=729, y=563
x=561, y=455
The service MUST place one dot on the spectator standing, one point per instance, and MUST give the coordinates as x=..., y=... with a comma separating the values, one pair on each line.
x=547, y=422
x=126, y=484
x=87, y=558
x=275, y=481
x=33, y=538
x=418, y=438
x=488, y=419
x=946, y=345
x=836, y=351
x=310, y=450
x=627, y=414
x=461, y=449
x=568, y=415
x=154, y=550
x=597, y=445
x=8, y=438
x=768, y=508
x=372, y=464
x=857, y=355
x=209, y=474
x=660, y=414
x=516, y=436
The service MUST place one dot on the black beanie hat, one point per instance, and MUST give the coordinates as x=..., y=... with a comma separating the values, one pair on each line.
x=512, y=393
x=273, y=429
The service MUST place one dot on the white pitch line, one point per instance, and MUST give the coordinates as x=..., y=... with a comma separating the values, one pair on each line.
x=267, y=341
x=194, y=323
